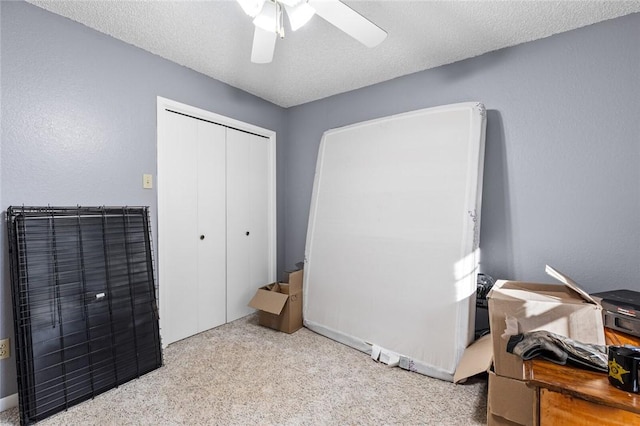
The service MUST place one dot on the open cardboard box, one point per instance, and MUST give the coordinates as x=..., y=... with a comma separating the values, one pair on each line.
x=518, y=307
x=280, y=304
x=563, y=309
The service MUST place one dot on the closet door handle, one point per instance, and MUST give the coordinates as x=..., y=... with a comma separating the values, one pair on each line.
x=202, y=237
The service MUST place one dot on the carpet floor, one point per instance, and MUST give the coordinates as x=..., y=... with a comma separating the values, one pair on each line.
x=245, y=374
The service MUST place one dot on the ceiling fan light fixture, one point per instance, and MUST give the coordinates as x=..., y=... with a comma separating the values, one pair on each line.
x=269, y=23
x=267, y=19
x=251, y=7
x=299, y=15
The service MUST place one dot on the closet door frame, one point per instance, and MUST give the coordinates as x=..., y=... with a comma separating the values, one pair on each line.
x=162, y=162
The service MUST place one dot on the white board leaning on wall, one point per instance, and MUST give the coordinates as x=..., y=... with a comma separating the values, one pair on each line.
x=392, y=244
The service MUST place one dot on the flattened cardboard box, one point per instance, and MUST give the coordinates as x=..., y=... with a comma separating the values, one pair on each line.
x=518, y=307
x=476, y=359
x=280, y=304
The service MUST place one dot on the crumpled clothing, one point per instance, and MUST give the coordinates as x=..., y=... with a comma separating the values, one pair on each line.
x=558, y=349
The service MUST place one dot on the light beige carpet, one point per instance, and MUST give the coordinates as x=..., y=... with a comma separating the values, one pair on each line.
x=244, y=374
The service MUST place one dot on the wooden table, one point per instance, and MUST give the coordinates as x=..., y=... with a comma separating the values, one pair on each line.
x=573, y=396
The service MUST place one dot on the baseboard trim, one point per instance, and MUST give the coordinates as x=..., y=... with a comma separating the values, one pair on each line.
x=9, y=402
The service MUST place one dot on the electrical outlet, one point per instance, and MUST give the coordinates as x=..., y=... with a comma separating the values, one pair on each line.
x=5, y=349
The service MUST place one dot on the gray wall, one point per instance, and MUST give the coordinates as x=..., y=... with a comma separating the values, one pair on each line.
x=79, y=122
x=562, y=167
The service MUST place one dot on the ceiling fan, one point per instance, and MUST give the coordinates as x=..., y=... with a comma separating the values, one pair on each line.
x=269, y=22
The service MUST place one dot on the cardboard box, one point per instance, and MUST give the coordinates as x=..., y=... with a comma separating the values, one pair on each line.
x=517, y=307
x=280, y=304
x=511, y=402
x=494, y=420
x=476, y=359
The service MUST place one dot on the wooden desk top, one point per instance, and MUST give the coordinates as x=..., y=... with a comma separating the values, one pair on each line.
x=585, y=384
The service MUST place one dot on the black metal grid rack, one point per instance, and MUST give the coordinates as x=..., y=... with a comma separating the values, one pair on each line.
x=84, y=299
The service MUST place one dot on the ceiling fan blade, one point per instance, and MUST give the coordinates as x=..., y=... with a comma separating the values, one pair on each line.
x=348, y=20
x=264, y=43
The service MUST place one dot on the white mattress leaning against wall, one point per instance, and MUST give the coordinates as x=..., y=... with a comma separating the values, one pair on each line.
x=392, y=242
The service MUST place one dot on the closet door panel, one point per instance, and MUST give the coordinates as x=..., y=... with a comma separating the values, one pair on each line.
x=239, y=285
x=180, y=229
x=212, y=257
x=247, y=219
x=259, y=210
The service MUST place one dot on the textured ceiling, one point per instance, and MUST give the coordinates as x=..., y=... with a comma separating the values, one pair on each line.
x=215, y=38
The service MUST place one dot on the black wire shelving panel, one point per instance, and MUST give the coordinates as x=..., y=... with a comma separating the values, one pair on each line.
x=84, y=299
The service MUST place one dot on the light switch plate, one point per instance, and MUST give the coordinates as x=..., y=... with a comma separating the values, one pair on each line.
x=147, y=181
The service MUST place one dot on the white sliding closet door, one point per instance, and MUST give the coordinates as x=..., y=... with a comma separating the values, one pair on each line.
x=212, y=262
x=193, y=268
x=247, y=219
x=216, y=218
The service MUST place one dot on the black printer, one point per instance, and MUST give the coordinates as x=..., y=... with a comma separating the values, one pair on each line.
x=621, y=310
